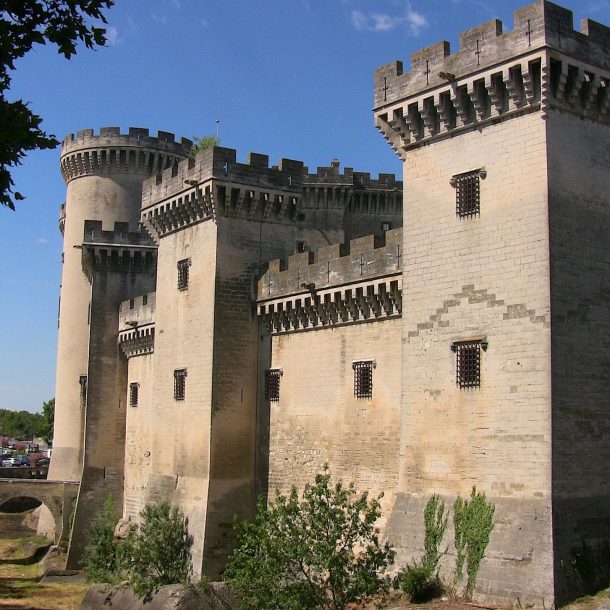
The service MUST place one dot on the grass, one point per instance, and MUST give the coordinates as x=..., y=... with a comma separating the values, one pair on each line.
x=20, y=586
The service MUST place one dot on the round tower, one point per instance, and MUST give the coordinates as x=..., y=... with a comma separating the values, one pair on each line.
x=104, y=175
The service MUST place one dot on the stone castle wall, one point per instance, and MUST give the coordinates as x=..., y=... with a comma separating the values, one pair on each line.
x=316, y=336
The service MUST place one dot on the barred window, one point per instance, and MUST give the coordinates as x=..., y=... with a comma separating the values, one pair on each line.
x=272, y=384
x=363, y=378
x=179, y=384
x=133, y=394
x=183, y=273
x=82, y=380
x=468, y=362
x=468, y=193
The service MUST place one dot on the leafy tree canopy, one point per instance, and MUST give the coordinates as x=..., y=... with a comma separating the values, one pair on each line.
x=20, y=423
x=318, y=551
x=24, y=23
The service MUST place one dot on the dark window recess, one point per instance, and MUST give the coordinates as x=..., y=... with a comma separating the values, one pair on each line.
x=183, y=273
x=82, y=380
x=386, y=226
x=272, y=384
x=468, y=363
x=133, y=394
x=179, y=384
x=132, y=303
x=468, y=193
x=301, y=246
x=363, y=378
x=145, y=299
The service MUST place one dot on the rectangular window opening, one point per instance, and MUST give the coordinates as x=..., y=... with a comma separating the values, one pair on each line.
x=272, y=384
x=363, y=378
x=468, y=363
x=183, y=273
x=179, y=384
x=468, y=193
x=133, y=394
x=82, y=380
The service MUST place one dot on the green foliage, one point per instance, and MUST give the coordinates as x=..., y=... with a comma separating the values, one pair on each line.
x=589, y=567
x=435, y=522
x=420, y=583
x=202, y=143
x=48, y=418
x=473, y=523
x=420, y=580
x=23, y=24
x=320, y=551
x=157, y=553
x=101, y=553
x=21, y=423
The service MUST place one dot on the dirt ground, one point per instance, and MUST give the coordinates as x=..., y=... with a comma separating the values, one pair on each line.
x=20, y=553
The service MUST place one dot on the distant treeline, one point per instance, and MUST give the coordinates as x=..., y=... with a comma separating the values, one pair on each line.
x=24, y=423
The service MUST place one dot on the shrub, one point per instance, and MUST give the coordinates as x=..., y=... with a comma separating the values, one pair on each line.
x=101, y=553
x=320, y=551
x=420, y=583
x=473, y=523
x=420, y=580
x=157, y=552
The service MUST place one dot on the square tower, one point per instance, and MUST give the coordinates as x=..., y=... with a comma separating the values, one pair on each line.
x=506, y=304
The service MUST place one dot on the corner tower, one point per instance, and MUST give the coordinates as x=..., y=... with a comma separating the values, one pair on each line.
x=103, y=257
x=506, y=221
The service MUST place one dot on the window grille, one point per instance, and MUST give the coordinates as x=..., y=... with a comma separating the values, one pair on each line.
x=179, y=384
x=82, y=380
x=301, y=246
x=468, y=193
x=386, y=226
x=272, y=384
x=468, y=363
x=133, y=394
x=183, y=273
x=363, y=378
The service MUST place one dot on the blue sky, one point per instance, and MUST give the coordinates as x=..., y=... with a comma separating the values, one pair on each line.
x=287, y=78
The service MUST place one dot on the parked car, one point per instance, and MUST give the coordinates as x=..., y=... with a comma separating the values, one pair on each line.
x=43, y=461
x=18, y=460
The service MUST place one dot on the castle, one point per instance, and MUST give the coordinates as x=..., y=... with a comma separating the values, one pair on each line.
x=227, y=328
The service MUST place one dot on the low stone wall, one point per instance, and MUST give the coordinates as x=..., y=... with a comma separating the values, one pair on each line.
x=21, y=472
x=172, y=597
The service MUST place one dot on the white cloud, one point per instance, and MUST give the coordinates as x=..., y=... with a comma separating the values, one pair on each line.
x=204, y=23
x=43, y=240
x=413, y=21
x=176, y=4
x=112, y=35
x=159, y=19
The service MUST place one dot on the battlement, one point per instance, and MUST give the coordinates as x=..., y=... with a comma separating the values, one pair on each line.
x=332, y=176
x=538, y=25
x=221, y=163
x=361, y=260
x=120, y=236
x=135, y=136
x=110, y=151
x=137, y=312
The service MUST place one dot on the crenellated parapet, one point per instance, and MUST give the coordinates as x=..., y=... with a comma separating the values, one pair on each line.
x=340, y=284
x=213, y=184
x=136, y=334
x=118, y=250
x=542, y=63
x=331, y=188
x=111, y=151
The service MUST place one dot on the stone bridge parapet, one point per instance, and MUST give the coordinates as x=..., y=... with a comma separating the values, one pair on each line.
x=57, y=496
